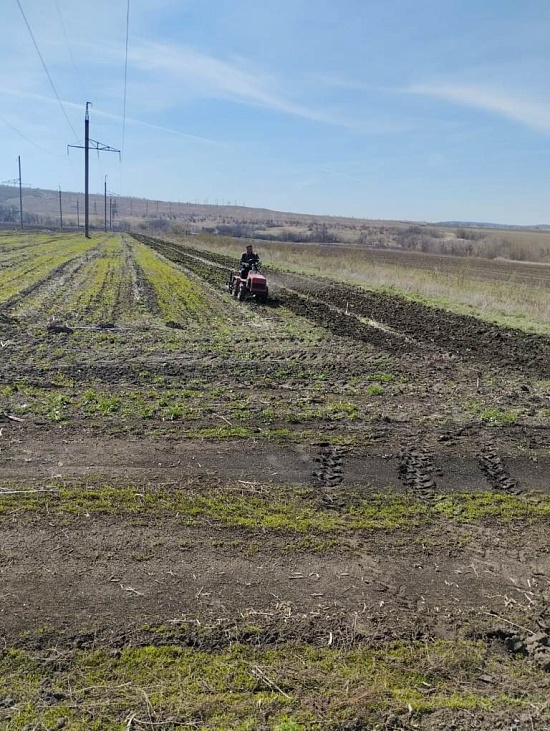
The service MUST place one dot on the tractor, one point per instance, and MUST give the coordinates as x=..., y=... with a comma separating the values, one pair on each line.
x=248, y=283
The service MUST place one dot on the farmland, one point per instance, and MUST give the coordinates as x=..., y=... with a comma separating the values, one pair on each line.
x=329, y=512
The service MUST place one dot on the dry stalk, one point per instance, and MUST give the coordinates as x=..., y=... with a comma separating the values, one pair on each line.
x=519, y=626
x=257, y=672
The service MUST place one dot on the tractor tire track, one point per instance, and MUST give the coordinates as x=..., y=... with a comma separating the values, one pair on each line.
x=416, y=469
x=341, y=308
x=496, y=473
x=329, y=476
x=466, y=336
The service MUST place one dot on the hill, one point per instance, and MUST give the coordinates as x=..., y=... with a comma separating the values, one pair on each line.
x=42, y=208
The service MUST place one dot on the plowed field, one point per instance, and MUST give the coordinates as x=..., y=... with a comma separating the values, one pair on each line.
x=328, y=512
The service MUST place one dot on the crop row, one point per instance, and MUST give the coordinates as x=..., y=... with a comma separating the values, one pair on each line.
x=22, y=270
x=180, y=298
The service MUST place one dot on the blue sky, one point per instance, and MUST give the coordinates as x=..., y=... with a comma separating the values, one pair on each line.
x=394, y=109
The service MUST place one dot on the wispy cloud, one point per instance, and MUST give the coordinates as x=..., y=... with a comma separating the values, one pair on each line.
x=335, y=81
x=108, y=115
x=210, y=76
x=534, y=114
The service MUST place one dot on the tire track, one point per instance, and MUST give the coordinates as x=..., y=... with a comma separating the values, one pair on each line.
x=464, y=335
x=329, y=476
x=342, y=309
x=496, y=472
x=416, y=469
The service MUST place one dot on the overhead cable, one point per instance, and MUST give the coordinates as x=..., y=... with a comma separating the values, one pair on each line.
x=125, y=77
x=71, y=55
x=46, y=69
x=28, y=139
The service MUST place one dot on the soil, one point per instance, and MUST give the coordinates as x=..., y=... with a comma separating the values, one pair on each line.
x=461, y=407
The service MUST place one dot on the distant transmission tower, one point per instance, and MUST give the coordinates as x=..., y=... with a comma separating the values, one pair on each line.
x=17, y=181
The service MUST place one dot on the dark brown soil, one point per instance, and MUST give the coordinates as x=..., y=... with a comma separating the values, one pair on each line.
x=464, y=409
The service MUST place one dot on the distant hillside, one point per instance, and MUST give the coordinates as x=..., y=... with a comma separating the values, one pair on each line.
x=477, y=224
x=41, y=208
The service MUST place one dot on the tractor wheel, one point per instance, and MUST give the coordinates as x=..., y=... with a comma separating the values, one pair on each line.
x=242, y=292
x=235, y=288
x=262, y=299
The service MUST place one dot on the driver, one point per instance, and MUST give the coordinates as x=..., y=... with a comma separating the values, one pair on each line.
x=248, y=259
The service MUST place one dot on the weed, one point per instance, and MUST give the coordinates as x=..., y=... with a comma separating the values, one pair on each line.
x=174, y=412
x=297, y=686
x=494, y=415
x=98, y=403
x=381, y=377
x=19, y=270
x=479, y=506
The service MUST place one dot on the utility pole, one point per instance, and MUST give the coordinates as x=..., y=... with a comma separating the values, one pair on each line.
x=110, y=214
x=77, y=214
x=95, y=146
x=20, y=193
x=60, y=209
x=87, y=173
x=105, y=202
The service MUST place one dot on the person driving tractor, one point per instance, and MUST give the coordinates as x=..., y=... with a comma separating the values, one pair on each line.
x=248, y=260
x=248, y=283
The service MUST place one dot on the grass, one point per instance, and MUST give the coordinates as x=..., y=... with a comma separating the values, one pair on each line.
x=483, y=506
x=243, y=413
x=27, y=259
x=103, y=290
x=292, y=687
x=180, y=298
x=465, y=287
x=276, y=509
x=494, y=415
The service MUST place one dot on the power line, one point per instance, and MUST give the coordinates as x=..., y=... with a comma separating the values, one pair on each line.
x=46, y=69
x=75, y=67
x=125, y=76
x=27, y=139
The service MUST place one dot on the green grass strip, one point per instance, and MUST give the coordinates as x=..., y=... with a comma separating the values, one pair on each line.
x=273, y=508
x=289, y=688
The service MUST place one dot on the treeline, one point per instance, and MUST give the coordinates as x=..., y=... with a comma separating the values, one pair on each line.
x=487, y=244
x=11, y=214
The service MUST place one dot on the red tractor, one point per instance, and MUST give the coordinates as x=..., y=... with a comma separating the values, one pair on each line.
x=248, y=283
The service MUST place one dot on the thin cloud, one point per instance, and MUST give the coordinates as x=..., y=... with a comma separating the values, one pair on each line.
x=210, y=76
x=109, y=115
x=339, y=82
x=530, y=113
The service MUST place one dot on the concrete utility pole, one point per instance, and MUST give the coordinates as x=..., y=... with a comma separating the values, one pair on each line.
x=105, y=202
x=20, y=193
x=60, y=209
x=95, y=146
x=77, y=214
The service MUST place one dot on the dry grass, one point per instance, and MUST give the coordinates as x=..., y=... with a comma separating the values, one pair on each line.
x=516, y=295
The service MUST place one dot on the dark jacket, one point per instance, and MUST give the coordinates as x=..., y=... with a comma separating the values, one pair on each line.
x=247, y=258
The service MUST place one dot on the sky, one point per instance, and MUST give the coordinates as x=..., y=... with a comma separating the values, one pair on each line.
x=423, y=110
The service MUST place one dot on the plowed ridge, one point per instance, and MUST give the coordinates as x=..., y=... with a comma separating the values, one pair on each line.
x=343, y=309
